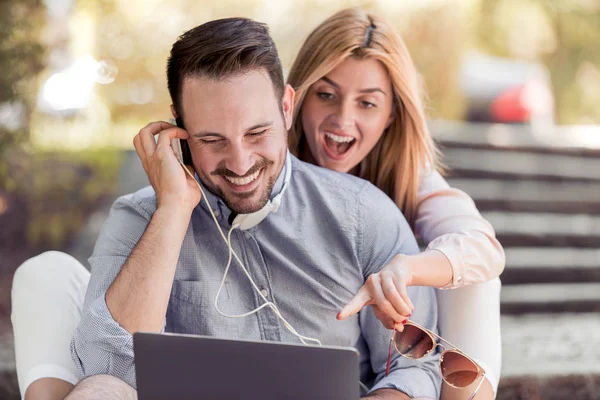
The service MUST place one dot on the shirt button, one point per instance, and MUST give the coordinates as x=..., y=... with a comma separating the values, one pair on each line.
x=459, y=279
x=216, y=213
x=264, y=292
x=248, y=236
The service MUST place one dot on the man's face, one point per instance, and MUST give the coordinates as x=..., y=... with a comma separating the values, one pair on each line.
x=238, y=135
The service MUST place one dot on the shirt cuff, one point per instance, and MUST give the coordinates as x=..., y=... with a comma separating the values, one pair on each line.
x=415, y=382
x=455, y=259
x=105, y=330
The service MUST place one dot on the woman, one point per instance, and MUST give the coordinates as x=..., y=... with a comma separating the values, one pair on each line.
x=359, y=110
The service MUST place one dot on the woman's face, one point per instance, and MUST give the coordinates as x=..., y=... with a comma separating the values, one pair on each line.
x=346, y=112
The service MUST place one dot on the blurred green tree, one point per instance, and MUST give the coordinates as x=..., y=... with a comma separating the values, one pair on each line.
x=22, y=57
x=437, y=50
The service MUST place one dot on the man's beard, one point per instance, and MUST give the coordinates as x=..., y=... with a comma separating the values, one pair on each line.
x=237, y=202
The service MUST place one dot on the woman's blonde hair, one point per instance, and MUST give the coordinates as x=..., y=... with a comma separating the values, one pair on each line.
x=406, y=147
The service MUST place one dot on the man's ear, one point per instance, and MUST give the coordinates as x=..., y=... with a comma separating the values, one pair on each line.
x=287, y=105
x=173, y=112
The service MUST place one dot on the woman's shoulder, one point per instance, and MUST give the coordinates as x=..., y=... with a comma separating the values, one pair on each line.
x=430, y=181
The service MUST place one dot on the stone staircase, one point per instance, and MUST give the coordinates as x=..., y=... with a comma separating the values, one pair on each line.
x=544, y=203
x=543, y=199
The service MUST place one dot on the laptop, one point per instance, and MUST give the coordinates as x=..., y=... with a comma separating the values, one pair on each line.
x=174, y=366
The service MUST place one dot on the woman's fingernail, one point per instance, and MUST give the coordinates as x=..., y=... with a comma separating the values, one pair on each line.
x=338, y=315
x=405, y=321
x=409, y=315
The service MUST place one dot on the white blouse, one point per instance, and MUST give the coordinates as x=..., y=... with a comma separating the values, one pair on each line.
x=448, y=221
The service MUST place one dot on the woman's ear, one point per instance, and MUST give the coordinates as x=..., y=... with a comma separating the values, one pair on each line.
x=287, y=105
x=173, y=112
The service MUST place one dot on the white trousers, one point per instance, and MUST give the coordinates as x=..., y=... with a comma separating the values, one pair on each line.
x=48, y=293
x=469, y=318
x=47, y=298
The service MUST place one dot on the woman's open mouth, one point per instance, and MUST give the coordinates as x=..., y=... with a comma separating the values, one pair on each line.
x=337, y=146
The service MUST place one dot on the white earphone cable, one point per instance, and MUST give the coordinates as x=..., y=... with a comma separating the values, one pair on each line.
x=267, y=303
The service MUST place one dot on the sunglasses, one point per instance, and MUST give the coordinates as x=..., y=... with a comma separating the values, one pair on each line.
x=457, y=369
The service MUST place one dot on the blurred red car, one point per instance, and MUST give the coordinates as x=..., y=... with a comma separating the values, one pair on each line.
x=507, y=91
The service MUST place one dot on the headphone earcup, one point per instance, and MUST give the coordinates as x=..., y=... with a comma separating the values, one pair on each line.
x=247, y=221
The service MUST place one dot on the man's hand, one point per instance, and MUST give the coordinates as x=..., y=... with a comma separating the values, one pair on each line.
x=386, y=292
x=173, y=186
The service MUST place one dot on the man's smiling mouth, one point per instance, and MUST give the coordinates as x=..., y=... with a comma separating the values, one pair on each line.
x=243, y=180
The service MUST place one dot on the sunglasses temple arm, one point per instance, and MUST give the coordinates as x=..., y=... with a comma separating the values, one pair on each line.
x=390, y=351
x=478, y=386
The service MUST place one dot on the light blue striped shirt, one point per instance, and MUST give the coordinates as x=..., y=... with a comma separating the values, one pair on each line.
x=330, y=233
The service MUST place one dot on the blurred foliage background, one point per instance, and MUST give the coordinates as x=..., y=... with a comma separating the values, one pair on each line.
x=564, y=35
x=81, y=77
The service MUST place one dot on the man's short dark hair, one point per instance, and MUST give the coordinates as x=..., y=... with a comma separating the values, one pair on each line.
x=222, y=48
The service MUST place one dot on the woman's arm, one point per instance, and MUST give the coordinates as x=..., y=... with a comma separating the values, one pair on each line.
x=462, y=250
x=450, y=224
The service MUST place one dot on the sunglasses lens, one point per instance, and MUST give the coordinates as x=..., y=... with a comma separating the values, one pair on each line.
x=458, y=370
x=413, y=342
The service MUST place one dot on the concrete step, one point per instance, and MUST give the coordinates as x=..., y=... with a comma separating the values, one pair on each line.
x=551, y=265
x=541, y=206
x=550, y=344
x=543, y=274
x=529, y=190
x=545, y=230
x=578, y=138
x=585, y=386
x=516, y=162
x=544, y=223
x=552, y=258
x=550, y=298
x=518, y=239
x=476, y=173
x=9, y=387
x=580, y=152
x=7, y=354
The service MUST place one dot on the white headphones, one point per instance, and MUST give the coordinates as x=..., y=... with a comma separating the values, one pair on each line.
x=247, y=221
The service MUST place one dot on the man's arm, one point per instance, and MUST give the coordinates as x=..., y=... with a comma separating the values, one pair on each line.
x=384, y=234
x=139, y=296
x=134, y=260
x=136, y=256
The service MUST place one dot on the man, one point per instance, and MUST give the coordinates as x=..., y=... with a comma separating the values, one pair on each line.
x=159, y=261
